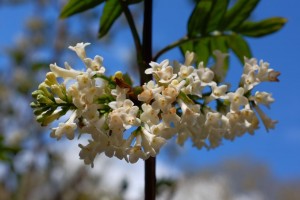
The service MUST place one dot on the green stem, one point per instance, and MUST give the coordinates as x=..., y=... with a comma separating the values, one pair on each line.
x=136, y=38
x=177, y=43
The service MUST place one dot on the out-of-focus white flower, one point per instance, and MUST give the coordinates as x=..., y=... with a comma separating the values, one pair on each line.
x=186, y=71
x=219, y=69
x=95, y=64
x=189, y=58
x=64, y=73
x=80, y=49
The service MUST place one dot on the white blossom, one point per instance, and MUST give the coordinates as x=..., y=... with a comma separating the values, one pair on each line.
x=237, y=99
x=80, y=49
x=133, y=123
x=263, y=98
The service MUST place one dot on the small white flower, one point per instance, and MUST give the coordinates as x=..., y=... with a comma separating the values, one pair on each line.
x=186, y=71
x=120, y=94
x=115, y=123
x=218, y=68
x=268, y=122
x=190, y=113
x=149, y=91
x=161, y=102
x=136, y=152
x=170, y=93
x=213, y=119
x=88, y=153
x=170, y=118
x=149, y=115
x=155, y=67
x=205, y=75
x=250, y=65
x=273, y=75
x=218, y=92
x=151, y=143
x=250, y=80
x=84, y=81
x=237, y=99
x=266, y=74
x=193, y=87
x=177, y=85
x=263, y=98
x=80, y=49
x=64, y=73
x=166, y=75
x=189, y=58
x=251, y=122
x=64, y=128
x=236, y=125
x=162, y=71
x=68, y=128
x=95, y=65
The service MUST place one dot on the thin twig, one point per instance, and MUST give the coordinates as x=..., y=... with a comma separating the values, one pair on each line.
x=136, y=38
x=177, y=43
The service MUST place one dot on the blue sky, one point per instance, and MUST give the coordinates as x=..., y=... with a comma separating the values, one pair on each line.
x=279, y=148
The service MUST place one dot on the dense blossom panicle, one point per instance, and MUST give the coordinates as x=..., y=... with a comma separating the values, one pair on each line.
x=133, y=123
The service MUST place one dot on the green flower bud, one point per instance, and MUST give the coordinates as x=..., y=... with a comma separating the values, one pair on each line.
x=35, y=93
x=34, y=105
x=51, y=79
x=56, y=89
x=40, y=110
x=43, y=99
x=44, y=88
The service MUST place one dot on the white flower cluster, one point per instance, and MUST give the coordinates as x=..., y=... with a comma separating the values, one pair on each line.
x=175, y=103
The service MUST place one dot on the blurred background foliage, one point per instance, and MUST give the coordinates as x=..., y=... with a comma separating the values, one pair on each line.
x=33, y=168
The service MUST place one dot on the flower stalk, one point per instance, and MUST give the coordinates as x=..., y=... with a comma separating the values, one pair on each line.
x=150, y=163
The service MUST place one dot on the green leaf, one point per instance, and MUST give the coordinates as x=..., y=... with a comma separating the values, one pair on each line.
x=239, y=46
x=219, y=43
x=112, y=10
x=216, y=15
x=261, y=28
x=188, y=46
x=76, y=6
x=239, y=12
x=202, y=50
x=134, y=1
x=198, y=19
